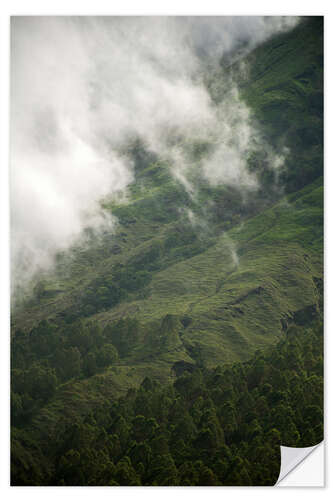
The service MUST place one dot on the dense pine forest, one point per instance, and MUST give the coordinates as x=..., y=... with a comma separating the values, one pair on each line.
x=173, y=352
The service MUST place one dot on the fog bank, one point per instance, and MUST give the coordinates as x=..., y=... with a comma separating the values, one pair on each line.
x=82, y=87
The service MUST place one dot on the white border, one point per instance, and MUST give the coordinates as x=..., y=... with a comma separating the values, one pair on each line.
x=142, y=7
x=309, y=472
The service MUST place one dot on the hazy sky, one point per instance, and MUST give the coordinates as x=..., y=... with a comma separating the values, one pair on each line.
x=81, y=87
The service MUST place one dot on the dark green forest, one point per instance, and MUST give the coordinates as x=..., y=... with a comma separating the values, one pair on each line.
x=211, y=427
x=173, y=354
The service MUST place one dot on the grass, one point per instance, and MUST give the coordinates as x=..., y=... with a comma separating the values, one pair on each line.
x=234, y=307
x=237, y=280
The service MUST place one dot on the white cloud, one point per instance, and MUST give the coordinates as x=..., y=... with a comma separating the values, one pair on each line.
x=80, y=87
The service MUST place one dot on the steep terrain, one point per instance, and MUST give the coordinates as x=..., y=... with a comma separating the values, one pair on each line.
x=184, y=282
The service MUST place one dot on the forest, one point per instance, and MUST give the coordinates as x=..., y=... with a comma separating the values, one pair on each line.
x=169, y=352
x=211, y=427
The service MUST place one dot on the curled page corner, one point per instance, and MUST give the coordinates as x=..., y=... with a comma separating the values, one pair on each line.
x=291, y=458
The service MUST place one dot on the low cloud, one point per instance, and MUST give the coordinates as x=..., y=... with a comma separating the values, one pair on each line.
x=82, y=87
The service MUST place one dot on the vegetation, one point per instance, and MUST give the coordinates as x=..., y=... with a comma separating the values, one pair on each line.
x=219, y=426
x=285, y=90
x=184, y=348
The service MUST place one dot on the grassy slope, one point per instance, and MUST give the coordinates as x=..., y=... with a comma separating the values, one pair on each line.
x=237, y=308
x=231, y=308
x=286, y=70
x=234, y=310
x=285, y=92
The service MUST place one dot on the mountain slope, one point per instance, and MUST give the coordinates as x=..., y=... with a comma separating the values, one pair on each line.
x=208, y=309
x=230, y=280
x=183, y=282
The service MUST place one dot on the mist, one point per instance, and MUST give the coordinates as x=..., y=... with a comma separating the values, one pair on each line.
x=81, y=88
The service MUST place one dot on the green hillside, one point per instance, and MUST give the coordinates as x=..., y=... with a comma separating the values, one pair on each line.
x=286, y=93
x=163, y=297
